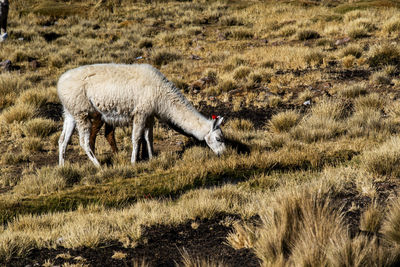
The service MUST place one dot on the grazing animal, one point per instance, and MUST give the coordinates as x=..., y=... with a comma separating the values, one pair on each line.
x=124, y=94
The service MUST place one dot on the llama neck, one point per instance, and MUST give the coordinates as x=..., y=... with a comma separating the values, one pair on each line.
x=179, y=113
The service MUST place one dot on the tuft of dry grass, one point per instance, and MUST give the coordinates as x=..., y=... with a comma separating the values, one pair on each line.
x=10, y=87
x=307, y=35
x=380, y=78
x=284, y=121
x=18, y=113
x=384, y=159
x=353, y=91
x=240, y=125
x=391, y=223
x=163, y=57
x=392, y=26
x=243, y=236
x=372, y=101
x=371, y=219
x=32, y=144
x=39, y=127
x=189, y=261
x=383, y=55
x=296, y=229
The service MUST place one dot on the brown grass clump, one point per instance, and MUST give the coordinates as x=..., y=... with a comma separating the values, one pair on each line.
x=14, y=245
x=384, y=159
x=307, y=35
x=353, y=49
x=38, y=97
x=241, y=73
x=381, y=78
x=360, y=28
x=353, y=91
x=372, y=101
x=241, y=34
x=189, y=261
x=368, y=122
x=42, y=182
x=348, y=61
x=314, y=58
x=243, y=236
x=383, y=55
x=39, y=127
x=284, y=121
x=371, y=219
x=392, y=26
x=391, y=223
x=18, y=113
x=296, y=229
x=10, y=87
x=11, y=158
x=226, y=84
x=240, y=125
x=163, y=57
x=324, y=122
x=359, y=251
x=32, y=144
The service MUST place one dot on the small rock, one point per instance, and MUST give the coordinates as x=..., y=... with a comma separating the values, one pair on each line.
x=342, y=41
x=5, y=65
x=21, y=39
x=307, y=103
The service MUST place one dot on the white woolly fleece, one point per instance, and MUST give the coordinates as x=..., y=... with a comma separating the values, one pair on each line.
x=119, y=92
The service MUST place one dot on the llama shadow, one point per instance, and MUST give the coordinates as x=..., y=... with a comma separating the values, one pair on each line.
x=236, y=145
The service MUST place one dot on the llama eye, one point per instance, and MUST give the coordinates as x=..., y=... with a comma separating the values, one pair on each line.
x=218, y=139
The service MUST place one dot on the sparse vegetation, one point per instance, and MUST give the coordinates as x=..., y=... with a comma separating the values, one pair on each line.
x=309, y=91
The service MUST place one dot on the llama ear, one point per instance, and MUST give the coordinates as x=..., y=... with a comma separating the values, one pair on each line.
x=217, y=122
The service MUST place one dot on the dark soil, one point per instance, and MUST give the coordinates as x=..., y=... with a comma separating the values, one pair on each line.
x=161, y=245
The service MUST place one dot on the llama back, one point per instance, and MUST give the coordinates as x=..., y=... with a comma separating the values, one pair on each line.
x=114, y=90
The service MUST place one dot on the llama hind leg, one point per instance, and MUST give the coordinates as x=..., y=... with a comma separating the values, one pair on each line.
x=96, y=126
x=68, y=129
x=83, y=127
x=109, y=133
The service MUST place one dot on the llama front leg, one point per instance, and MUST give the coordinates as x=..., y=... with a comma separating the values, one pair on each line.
x=68, y=129
x=84, y=136
x=148, y=136
x=137, y=133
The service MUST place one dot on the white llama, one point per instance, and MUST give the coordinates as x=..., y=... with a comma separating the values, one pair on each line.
x=125, y=94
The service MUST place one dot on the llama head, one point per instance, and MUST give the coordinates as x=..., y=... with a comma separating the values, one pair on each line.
x=215, y=138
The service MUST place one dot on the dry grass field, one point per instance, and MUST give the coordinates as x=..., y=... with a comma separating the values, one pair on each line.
x=310, y=93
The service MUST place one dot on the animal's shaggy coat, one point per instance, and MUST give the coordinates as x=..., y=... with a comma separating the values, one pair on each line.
x=128, y=93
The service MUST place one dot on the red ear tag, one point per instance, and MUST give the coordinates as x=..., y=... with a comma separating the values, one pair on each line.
x=214, y=117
